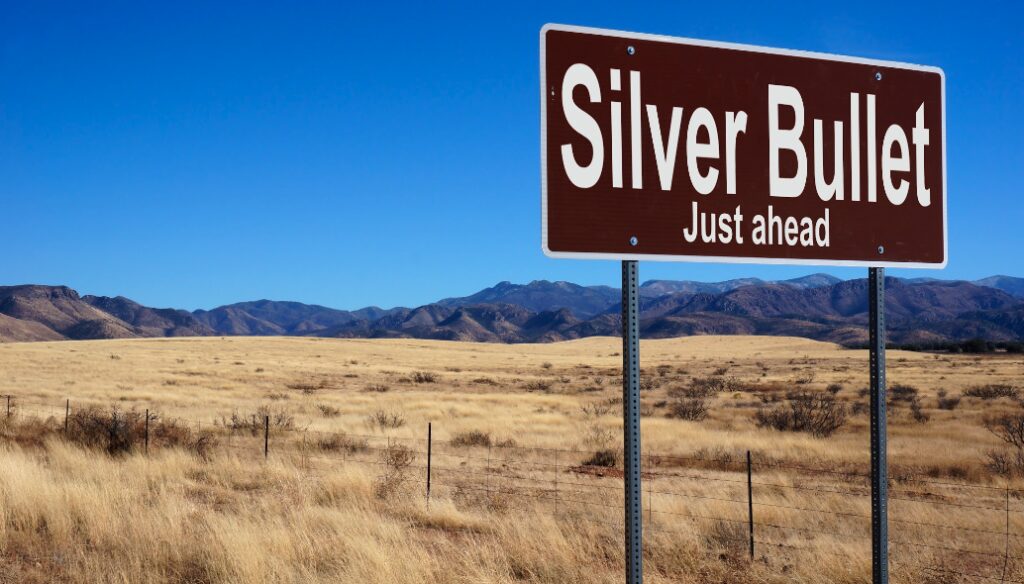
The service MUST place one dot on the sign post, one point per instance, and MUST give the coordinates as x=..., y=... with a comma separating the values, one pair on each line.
x=879, y=462
x=631, y=421
x=672, y=149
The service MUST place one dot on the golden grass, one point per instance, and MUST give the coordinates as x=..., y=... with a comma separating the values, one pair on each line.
x=311, y=514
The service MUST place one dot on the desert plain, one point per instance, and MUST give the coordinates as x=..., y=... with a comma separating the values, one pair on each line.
x=274, y=459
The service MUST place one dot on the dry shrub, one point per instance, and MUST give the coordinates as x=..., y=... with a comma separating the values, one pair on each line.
x=119, y=432
x=472, y=438
x=701, y=387
x=424, y=377
x=328, y=411
x=1009, y=428
x=538, y=385
x=114, y=431
x=604, y=458
x=992, y=391
x=949, y=403
x=384, y=420
x=342, y=443
x=818, y=414
x=694, y=410
x=280, y=419
x=377, y=388
x=396, y=460
x=902, y=393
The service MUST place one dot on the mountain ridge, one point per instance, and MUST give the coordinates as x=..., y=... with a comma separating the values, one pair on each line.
x=817, y=306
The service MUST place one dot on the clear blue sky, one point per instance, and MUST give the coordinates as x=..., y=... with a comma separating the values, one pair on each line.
x=194, y=154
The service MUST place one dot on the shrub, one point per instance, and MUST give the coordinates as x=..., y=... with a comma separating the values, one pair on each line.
x=815, y=413
x=546, y=365
x=377, y=388
x=605, y=458
x=472, y=438
x=342, y=443
x=707, y=387
x=115, y=432
x=396, y=460
x=834, y=388
x=328, y=411
x=949, y=403
x=424, y=377
x=992, y=391
x=905, y=393
x=920, y=416
x=383, y=420
x=538, y=385
x=1009, y=428
x=692, y=409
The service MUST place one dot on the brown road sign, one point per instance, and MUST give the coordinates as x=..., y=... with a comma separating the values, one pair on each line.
x=673, y=149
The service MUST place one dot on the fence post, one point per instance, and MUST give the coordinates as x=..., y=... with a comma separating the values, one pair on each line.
x=750, y=505
x=67, y=413
x=146, y=447
x=430, y=442
x=266, y=436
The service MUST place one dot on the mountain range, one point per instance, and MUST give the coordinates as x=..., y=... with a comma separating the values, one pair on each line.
x=818, y=306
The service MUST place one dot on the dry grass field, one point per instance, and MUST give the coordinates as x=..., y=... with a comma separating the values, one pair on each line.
x=524, y=453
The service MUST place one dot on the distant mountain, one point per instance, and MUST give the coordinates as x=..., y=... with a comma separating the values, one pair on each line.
x=270, y=317
x=657, y=288
x=818, y=306
x=1007, y=284
x=151, y=322
x=540, y=295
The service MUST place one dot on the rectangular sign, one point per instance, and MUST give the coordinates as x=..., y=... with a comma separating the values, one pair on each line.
x=661, y=148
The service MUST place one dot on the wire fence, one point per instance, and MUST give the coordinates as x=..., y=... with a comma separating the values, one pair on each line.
x=762, y=508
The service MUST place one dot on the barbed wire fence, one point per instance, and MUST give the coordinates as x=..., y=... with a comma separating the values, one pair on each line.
x=751, y=504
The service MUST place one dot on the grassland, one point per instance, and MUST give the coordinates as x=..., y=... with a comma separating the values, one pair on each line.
x=314, y=512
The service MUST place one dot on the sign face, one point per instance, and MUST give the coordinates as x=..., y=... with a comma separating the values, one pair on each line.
x=661, y=148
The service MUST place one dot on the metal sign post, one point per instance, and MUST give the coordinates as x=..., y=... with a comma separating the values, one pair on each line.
x=879, y=464
x=631, y=422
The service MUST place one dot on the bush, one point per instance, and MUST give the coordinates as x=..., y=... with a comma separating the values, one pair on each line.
x=472, y=438
x=920, y=416
x=904, y=393
x=328, y=411
x=1009, y=428
x=280, y=419
x=396, y=460
x=605, y=458
x=383, y=420
x=342, y=443
x=424, y=377
x=949, y=403
x=815, y=413
x=692, y=409
x=992, y=391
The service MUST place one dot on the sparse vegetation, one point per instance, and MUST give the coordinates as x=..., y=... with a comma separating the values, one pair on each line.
x=385, y=420
x=992, y=391
x=329, y=505
x=471, y=438
x=817, y=414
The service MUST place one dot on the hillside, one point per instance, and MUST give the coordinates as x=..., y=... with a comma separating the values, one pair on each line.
x=818, y=307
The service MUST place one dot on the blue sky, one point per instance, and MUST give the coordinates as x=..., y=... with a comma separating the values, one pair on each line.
x=191, y=154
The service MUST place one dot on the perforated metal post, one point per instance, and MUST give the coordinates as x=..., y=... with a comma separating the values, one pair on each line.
x=631, y=422
x=430, y=444
x=879, y=464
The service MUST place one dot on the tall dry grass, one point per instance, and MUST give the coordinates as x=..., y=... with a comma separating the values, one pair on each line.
x=315, y=513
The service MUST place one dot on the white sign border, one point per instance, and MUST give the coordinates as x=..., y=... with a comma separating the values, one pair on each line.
x=728, y=259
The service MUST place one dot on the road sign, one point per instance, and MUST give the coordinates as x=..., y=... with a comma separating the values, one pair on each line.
x=665, y=148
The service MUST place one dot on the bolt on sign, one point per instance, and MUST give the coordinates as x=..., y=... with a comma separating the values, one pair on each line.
x=665, y=148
